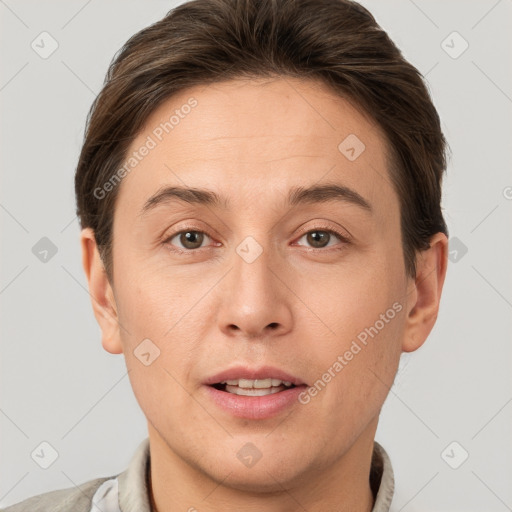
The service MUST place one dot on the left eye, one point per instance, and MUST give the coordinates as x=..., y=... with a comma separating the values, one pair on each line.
x=320, y=238
x=190, y=239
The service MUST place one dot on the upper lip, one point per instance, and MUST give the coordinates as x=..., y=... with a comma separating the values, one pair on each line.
x=245, y=372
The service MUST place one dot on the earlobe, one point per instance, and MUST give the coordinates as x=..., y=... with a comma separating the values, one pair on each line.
x=425, y=295
x=101, y=292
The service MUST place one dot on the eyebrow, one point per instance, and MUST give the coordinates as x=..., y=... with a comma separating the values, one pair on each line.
x=297, y=196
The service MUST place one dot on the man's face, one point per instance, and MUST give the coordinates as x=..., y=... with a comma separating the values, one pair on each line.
x=260, y=284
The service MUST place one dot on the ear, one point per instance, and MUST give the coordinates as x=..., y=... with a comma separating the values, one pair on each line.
x=425, y=292
x=101, y=292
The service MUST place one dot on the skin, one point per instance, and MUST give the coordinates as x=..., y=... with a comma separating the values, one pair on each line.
x=207, y=309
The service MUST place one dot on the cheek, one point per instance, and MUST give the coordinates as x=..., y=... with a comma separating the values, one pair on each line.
x=355, y=371
x=159, y=347
x=162, y=313
x=151, y=303
x=363, y=317
x=350, y=298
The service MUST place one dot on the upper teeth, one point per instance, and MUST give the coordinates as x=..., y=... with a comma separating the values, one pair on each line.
x=258, y=383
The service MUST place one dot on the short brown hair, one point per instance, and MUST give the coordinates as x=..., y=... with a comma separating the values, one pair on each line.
x=207, y=41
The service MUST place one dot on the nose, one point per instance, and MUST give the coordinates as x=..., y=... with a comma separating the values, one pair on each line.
x=255, y=302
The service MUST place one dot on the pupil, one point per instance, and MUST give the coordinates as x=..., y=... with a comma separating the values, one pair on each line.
x=192, y=239
x=318, y=238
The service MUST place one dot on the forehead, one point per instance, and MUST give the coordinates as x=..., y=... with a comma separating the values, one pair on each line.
x=245, y=135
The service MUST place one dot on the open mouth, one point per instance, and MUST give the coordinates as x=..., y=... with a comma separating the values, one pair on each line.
x=258, y=387
x=254, y=394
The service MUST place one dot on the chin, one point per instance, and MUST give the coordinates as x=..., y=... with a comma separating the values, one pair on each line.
x=263, y=476
x=260, y=481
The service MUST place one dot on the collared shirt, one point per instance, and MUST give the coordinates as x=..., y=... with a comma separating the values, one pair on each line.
x=128, y=491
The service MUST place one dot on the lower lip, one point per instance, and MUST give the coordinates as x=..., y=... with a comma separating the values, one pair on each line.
x=255, y=407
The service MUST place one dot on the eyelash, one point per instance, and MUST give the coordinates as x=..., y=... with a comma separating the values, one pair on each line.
x=344, y=239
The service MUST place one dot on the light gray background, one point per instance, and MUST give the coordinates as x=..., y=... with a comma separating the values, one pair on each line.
x=58, y=384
